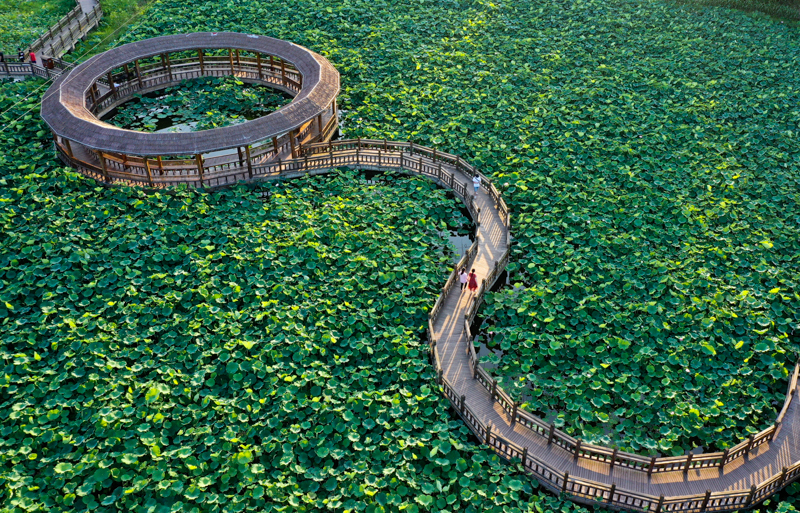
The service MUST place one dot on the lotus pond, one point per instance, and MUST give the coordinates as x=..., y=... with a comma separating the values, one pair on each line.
x=254, y=349
x=651, y=168
x=195, y=105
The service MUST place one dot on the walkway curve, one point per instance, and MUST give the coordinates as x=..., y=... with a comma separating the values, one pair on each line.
x=739, y=478
x=72, y=105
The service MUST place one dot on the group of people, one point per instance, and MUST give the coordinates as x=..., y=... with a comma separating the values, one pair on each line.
x=20, y=56
x=469, y=281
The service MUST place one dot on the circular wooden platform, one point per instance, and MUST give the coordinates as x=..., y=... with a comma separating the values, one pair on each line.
x=75, y=102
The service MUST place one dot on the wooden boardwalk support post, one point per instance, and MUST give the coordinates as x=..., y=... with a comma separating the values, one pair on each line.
x=169, y=66
x=688, y=462
x=202, y=64
x=750, y=496
x=104, y=167
x=199, y=160
x=611, y=493
x=551, y=434
x=149, y=172
x=660, y=504
x=651, y=466
x=138, y=73
x=705, y=500
x=564, y=484
x=613, y=458
x=249, y=162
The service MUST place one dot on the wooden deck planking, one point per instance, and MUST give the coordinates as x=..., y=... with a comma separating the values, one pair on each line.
x=764, y=462
x=739, y=475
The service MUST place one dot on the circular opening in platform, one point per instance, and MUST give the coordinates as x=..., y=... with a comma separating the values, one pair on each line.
x=198, y=104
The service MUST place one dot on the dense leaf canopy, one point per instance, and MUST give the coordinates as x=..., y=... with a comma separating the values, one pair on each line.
x=649, y=155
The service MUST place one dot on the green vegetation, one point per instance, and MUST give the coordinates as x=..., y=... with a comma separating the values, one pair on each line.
x=22, y=21
x=205, y=103
x=781, y=9
x=650, y=165
x=649, y=155
x=219, y=351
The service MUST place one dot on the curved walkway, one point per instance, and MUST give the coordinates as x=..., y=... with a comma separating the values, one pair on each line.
x=736, y=479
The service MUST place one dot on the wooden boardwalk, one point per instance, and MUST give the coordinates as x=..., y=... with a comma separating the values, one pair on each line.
x=736, y=479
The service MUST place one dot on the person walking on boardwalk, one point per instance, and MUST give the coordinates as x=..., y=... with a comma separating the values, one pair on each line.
x=20, y=55
x=476, y=182
x=473, y=281
x=463, y=277
x=33, y=58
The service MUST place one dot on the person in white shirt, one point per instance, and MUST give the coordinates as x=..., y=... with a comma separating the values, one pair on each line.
x=476, y=182
x=463, y=276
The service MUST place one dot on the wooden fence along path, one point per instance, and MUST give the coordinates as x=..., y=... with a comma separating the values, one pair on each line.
x=55, y=43
x=735, y=479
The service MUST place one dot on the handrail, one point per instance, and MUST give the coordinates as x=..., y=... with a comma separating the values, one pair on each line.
x=369, y=154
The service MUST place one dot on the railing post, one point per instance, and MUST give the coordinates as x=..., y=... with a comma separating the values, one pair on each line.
x=578, y=442
x=275, y=145
x=751, y=438
x=705, y=500
x=169, y=65
x=724, y=458
x=524, y=455
x=783, y=477
x=439, y=378
x=149, y=172
x=230, y=60
x=564, y=484
x=463, y=398
x=613, y=458
x=291, y=141
x=611, y=493
x=249, y=163
x=660, y=504
x=514, y=412
x=652, y=465
x=258, y=63
x=199, y=159
x=750, y=496
x=772, y=435
x=494, y=388
x=488, y=433
x=688, y=462
x=551, y=434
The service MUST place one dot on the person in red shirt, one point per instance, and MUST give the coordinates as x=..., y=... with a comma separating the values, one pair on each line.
x=473, y=281
x=33, y=58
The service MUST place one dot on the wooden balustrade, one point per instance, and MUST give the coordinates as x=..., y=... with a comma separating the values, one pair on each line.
x=417, y=160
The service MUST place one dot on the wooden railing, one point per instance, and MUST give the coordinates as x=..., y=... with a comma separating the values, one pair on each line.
x=152, y=76
x=591, y=492
x=383, y=155
x=62, y=37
